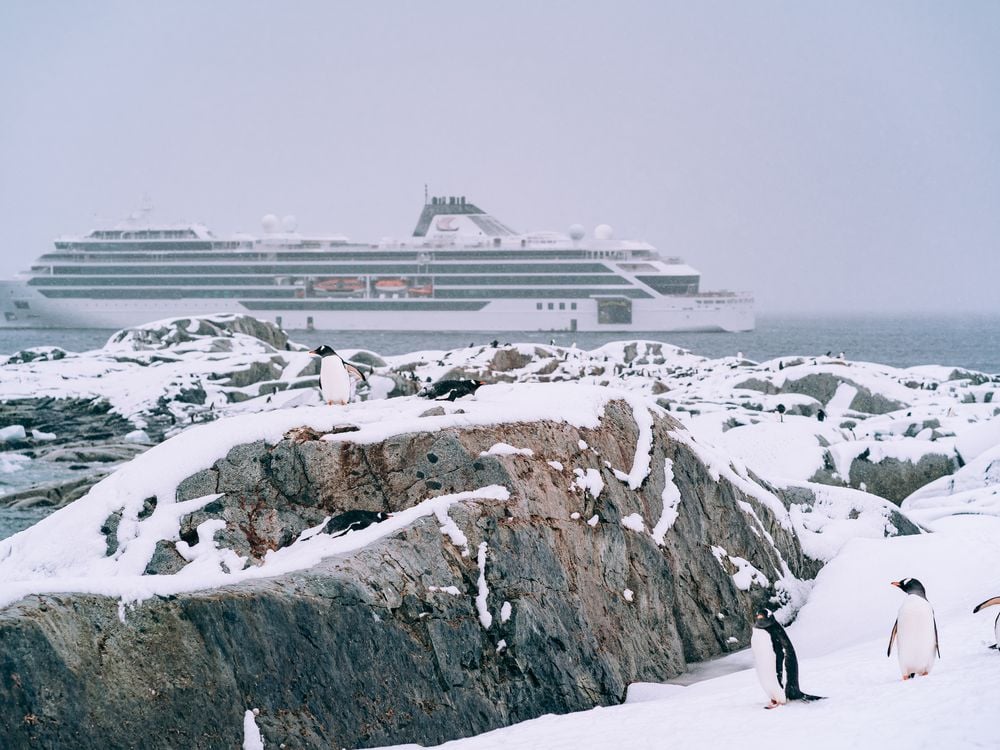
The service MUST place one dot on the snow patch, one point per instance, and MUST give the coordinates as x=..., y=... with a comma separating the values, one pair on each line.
x=453, y=590
x=485, y=618
x=503, y=449
x=252, y=739
x=671, y=497
x=634, y=522
x=589, y=481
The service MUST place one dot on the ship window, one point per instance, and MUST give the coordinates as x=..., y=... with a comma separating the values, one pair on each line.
x=572, y=305
x=550, y=305
x=10, y=316
x=562, y=305
x=614, y=310
x=538, y=306
x=20, y=304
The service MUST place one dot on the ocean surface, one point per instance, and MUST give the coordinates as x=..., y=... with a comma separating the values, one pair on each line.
x=969, y=341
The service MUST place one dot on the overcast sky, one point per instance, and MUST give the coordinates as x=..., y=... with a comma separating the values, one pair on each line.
x=830, y=157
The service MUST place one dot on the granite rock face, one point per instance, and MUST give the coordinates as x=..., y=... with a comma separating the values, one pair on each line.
x=558, y=598
x=896, y=479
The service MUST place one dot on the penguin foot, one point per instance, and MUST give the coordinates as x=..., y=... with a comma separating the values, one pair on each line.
x=909, y=676
x=772, y=704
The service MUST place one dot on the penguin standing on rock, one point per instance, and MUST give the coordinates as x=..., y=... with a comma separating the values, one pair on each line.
x=334, y=379
x=996, y=622
x=915, y=631
x=775, y=661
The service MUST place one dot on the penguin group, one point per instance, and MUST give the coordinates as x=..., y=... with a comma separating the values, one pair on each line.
x=338, y=380
x=914, y=634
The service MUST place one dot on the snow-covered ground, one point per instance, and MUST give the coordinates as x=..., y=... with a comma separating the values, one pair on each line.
x=840, y=637
x=744, y=418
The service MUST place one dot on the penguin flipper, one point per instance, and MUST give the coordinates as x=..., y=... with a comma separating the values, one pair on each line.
x=892, y=637
x=936, y=646
x=779, y=660
x=987, y=603
x=354, y=372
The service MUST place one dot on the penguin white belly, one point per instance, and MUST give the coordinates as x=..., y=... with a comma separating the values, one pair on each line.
x=765, y=663
x=334, y=380
x=915, y=640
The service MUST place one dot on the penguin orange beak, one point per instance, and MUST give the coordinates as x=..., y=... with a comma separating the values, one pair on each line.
x=897, y=584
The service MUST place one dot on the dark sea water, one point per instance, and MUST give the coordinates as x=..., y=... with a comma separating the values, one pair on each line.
x=969, y=341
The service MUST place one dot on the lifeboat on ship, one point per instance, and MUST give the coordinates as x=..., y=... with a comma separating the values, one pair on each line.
x=424, y=290
x=391, y=286
x=340, y=284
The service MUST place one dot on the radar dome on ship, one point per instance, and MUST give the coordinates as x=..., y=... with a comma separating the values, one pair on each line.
x=290, y=223
x=576, y=232
x=270, y=223
x=603, y=232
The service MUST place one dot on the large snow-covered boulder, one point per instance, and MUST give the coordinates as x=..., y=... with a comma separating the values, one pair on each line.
x=173, y=332
x=546, y=546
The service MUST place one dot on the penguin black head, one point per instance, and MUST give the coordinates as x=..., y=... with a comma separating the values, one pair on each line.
x=764, y=618
x=911, y=586
x=323, y=351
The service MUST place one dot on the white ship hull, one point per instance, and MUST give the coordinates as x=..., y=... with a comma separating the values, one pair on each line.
x=22, y=306
x=461, y=270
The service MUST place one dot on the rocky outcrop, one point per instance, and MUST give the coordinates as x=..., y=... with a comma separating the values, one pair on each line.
x=63, y=420
x=167, y=334
x=822, y=387
x=551, y=600
x=53, y=494
x=895, y=479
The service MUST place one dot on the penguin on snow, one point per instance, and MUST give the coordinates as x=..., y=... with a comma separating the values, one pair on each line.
x=775, y=661
x=335, y=375
x=996, y=622
x=449, y=390
x=353, y=520
x=915, y=631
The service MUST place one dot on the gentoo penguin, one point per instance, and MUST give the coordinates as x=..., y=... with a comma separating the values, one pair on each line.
x=449, y=390
x=996, y=622
x=775, y=661
x=353, y=520
x=915, y=631
x=334, y=379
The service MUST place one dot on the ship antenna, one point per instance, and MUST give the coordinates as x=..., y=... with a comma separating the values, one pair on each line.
x=147, y=206
x=425, y=193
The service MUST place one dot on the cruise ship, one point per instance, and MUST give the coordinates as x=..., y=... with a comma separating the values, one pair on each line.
x=461, y=270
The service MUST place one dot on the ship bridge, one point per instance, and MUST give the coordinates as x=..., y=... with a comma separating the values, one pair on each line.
x=452, y=216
